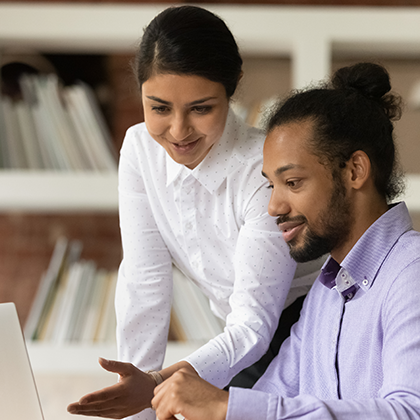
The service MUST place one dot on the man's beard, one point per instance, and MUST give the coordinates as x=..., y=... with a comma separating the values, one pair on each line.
x=334, y=225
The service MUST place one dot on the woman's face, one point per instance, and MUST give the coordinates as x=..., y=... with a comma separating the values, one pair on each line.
x=185, y=114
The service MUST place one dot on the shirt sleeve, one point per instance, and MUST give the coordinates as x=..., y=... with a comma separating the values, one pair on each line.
x=276, y=395
x=144, y=287
x=263, y=274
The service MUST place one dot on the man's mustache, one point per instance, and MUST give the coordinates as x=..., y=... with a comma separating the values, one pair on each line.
x=284, y=218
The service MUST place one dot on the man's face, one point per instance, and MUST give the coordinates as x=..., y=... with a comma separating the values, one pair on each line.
x=311, y=204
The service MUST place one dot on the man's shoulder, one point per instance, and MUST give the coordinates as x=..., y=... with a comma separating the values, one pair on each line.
x=406, y=248
x=403, y=260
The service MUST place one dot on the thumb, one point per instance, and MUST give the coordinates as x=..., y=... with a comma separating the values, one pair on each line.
x=114, y=366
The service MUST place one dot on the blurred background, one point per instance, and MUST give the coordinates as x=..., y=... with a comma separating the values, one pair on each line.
x=63, y=52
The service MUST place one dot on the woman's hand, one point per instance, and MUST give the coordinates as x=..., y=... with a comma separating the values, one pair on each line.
x=187, y=394
x=132, y=394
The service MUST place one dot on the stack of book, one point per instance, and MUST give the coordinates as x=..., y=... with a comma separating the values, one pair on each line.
x=75, y=300
x=75, y=303
x=54, y=127
x=191, y=318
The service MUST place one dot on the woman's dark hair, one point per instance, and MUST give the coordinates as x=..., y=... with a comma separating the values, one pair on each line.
x=189, y=40
x=353, y=111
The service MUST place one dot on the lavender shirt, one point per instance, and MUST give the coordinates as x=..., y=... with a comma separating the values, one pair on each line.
x=351, y=356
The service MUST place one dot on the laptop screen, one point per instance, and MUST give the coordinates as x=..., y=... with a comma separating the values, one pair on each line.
x=18, y=394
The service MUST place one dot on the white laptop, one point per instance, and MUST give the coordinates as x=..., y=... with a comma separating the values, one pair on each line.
x=18, y=394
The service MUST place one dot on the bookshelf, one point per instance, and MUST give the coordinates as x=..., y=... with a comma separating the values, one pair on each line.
x=309, y=36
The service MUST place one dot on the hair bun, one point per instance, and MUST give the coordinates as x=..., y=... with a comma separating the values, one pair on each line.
x=372, y=80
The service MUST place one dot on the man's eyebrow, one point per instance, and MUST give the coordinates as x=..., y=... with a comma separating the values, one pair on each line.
x=197, y=102
x=282, y=169
x=285, y=168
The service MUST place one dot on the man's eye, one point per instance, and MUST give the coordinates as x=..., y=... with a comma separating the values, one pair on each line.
x=293, y=183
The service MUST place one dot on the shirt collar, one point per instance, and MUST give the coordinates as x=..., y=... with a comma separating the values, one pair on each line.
x=336, y=277
x=213, y=170
x=361, y=265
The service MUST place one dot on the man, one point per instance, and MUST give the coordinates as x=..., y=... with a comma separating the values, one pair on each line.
x=355, y=352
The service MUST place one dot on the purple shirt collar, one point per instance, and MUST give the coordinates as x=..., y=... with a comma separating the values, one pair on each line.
x=334, y=276
x=359, y=268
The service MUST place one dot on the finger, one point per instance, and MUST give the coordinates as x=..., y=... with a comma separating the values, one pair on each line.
x=105, y=394
x=162, y=405
x=107, y=406
x=98, y=405
x=114, y=366
x=108, y=413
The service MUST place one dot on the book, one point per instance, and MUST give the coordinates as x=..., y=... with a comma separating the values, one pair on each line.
x=28, y=135
x=193, y=318
x=13, y=137
x=46, y=291
x=4, y=150
x=92, y=129
x=75, y=300
x=54, y=127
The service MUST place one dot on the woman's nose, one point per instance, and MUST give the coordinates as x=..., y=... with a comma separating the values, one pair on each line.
x=180, y=127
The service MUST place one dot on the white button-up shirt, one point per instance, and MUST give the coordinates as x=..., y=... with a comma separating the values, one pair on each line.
x=212, y=223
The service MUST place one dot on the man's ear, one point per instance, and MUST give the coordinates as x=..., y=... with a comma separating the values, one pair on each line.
x=360, y=169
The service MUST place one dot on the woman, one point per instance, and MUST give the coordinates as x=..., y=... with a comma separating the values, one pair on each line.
x=192, y=194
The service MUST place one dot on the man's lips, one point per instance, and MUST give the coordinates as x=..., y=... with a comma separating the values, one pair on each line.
x=291, y=229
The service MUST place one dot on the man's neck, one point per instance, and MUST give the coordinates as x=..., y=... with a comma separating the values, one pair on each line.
x=364, y=216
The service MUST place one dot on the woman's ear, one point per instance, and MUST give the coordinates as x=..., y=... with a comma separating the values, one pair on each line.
x=360, y=169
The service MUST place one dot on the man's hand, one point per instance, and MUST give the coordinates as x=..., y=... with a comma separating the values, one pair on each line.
x=187, y=394
x=132, y=394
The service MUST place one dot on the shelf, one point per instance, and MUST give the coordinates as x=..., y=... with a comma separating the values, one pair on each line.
x=83, y=359
x=53, y=191
x=79, y=191
x=310, y=35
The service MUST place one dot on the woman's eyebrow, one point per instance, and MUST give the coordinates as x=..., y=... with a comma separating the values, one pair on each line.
x=197, y=102
x=156, y=99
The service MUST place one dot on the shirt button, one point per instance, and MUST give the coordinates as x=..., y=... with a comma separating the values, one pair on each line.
x=365, y=282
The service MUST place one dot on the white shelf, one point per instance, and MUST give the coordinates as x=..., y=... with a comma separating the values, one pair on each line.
x=90, y=191
x=33, y=191
x=83, y=359
x=309, y=35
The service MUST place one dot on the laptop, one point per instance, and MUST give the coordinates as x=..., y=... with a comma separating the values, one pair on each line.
x=18, y=394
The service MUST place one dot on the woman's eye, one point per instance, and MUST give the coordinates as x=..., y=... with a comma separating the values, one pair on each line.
x=160, y=109
x=270, y=187
x=202, y=109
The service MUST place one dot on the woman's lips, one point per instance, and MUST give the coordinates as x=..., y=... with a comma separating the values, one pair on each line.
x=290, y=229
x=186, y=147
